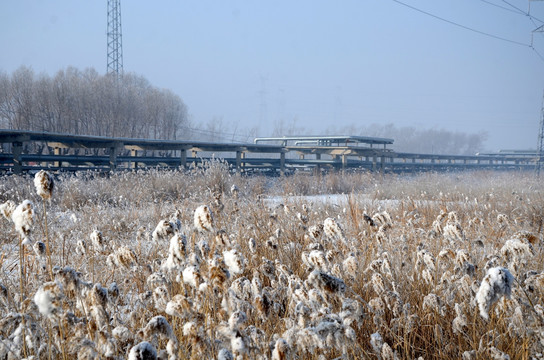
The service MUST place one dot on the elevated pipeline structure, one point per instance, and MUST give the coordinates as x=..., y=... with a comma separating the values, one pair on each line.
x=23, y=151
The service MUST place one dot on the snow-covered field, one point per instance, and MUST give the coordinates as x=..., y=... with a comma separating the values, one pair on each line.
x=209, y=264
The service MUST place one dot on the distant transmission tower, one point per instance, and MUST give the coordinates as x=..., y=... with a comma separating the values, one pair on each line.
x=263, y=108
x=540, y=142
x=115, y=43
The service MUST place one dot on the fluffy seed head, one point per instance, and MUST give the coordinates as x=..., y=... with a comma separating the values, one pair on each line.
x=378, y=283
x=315, y=231
x=238, y=345
x=81, y=247
x=143, y=351
x=497, y=283
x=158, y=326
x=48, y=298
x=280, y=350
x=163, y=229
x=99, y=295
x=122, y=257
x=44, y=183
x=333, y=230
x=222, y=239
x=324, y=281
x=350, y=265
x=517, y=248
x=382, y=219
x=203, y=218
x=191, y=276
x=7, y=209
x=218, y=274
x=460, y=322
x=23, y=218
x=225, y=354
x=39, y=248
x=252, y=244
x=178, y=245
x=526, y=236
x=179, y=305
x=453, y=230
x=237, y=319
x=97, y=240
x=316, y=259
x=190, y=329
x=234, y=261
x=376, y=341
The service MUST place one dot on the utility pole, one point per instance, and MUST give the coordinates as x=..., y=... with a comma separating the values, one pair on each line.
x=115, y=44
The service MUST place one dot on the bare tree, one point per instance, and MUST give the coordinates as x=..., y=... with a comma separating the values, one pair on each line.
x=84, y=102
x=420, y=140
x=6, y=108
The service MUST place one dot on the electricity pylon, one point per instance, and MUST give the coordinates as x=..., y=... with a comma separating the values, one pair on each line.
x=540, y=142
x=115, y=43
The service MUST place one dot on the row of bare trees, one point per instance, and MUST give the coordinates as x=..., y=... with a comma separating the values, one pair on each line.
x=87, y=103
x=422, y=140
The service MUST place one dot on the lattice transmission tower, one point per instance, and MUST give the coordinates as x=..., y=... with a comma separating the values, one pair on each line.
x=540, y=142
x=115, y=41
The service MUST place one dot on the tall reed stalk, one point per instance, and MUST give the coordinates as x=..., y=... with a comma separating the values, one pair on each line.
x=47, y=247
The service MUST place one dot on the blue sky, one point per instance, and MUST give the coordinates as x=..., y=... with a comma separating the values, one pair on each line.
x=323, y=64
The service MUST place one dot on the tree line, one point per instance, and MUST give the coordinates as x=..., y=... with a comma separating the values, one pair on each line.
x=424, y=140
x=83, y=102
x=87, y=103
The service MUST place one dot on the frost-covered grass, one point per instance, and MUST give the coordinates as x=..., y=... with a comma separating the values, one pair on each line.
x=208, y=264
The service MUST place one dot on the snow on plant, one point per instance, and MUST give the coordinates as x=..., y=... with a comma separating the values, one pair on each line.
x=514, y=249
x=382, y=220
x=323, y=281
x=23, y=218
x=122, y=257
x=176, y=253
x=203, y=218
x=191, y=276
x=315, y=231
x=141, y=351
x=48, y=299
x=281, y=350
x=44, y=183
x=97, y=239
x=333, y=230
x=163, y=229
x=7, y=209
x=496, y=284
x=250, y=282
x=234, y=261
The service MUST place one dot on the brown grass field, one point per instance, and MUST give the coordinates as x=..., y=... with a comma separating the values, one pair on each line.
x=132, y=266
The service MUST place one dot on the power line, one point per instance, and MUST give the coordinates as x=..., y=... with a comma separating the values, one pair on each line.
x=499, y=6
x=521, y=12
x=220, y=134
x=515, y=7
x=462, y=26
x=539, y=55
x=537, y=30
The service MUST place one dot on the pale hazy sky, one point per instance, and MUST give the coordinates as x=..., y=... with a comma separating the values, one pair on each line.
x=327, y=64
